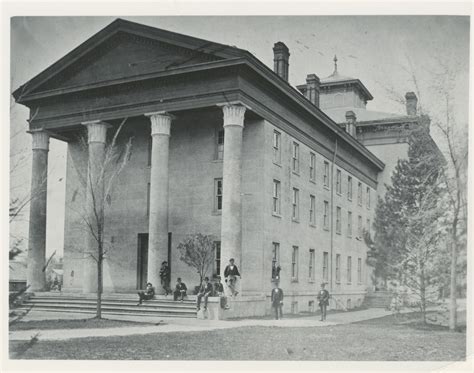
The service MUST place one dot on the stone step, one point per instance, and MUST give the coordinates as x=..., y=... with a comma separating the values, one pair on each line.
x=120, y=308
x=148, y=304
x=152, y=302
x=108, y=312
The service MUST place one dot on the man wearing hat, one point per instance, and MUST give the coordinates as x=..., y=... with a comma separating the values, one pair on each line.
x=146, y=294
x=180, y=290
x=230, y=273
x=323, y=299
x=277, y=301
x=165, y=276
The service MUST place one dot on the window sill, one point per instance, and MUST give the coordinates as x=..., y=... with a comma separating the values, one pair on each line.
x=349, y=199
x=295, y=220
x=294, y=279
x=326, y=187
x=339, y=194
x=339, y=233
x=338, y=282
x=326, y=229
x=216, y=213
x=276, y=215
x=217, y=161
x=277, y=164
x=312, y=225
x=358, y=238
x=295, y=173
x=312, y=181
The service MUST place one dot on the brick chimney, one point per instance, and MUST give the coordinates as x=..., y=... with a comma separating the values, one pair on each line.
x=351, y=120
x=312, y=88
x=281, y=56
x=411, y=102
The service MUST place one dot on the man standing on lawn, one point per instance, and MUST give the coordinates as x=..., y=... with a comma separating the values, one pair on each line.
x=323, y=299
x=277, y=301
x=230, y=274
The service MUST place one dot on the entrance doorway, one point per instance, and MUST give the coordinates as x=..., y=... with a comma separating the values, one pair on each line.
x=142, y=260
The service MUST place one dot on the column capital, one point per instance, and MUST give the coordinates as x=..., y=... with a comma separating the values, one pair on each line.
x=40, y=139
x=234, y=115
x=96, y=131
x=160, y=122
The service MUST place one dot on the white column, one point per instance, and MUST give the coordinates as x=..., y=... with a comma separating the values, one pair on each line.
x=158, y=219
x=96, y=139
x=35, y=277
x=231, y=226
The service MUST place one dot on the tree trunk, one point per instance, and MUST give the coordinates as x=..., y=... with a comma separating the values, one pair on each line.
x=99, y=284
x=423, y=296
x=452, y=292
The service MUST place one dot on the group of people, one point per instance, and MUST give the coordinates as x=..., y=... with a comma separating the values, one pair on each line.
x=206, y=289
x=277, y=301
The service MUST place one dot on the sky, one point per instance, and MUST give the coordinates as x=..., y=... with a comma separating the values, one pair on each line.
x=381, y=51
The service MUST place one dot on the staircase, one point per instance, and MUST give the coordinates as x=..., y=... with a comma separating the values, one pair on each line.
x=112, y=304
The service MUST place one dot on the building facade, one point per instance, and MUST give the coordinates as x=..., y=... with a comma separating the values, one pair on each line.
x=221, y=145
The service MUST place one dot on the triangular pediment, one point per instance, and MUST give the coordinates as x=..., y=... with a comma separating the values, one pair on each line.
x=123, y=50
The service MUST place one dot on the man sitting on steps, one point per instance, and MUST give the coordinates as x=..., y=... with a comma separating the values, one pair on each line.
x=204, y=292
x=147, y=294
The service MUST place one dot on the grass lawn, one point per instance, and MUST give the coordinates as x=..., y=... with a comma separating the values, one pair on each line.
x=71, y=324
x=379, y=339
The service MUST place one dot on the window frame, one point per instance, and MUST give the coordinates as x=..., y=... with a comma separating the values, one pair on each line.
x=295, y=157
x=349, y=269
x=219, y=152
x=276, y=147
x=349, y=187
x=325, y=263
x=312, y=265
x=217, y=196
x=312, y=166
x=326, y=174
x=294, y=263
x=338, y=220
x=217, y=258
x=338, y=182
x=276, y=199
x=295, y=213
x=312, y=210
x=367, y=202
x=349, y=223
x=326, y=215
x=338, y=269
x=359, y=193
x=359, y=270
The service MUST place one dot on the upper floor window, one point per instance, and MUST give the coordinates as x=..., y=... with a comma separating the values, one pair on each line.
x=217, y=258
x=349, y=224
x=326, y=215
x=359, y=226
x=312, y=166
x=326, y=174
x=359, y=270
x=276, y=197
x=368, y=225
x=338, y=220
x=367, y=202
x=275, y=261
x=338, y=268
x=338, y=182
x=359, y=194
x=217, y=194
x=296, y=198
x=312, y=212
x=276, y=147
x=220, y=144
x=349, y=269
x=296, y=157
x=349, y=188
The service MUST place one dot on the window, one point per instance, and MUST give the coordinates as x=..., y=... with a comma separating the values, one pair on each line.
x=338, y=182
x=312, y=213
x=217, y=194
x=326, y=217
x=325, y=265
x=296, y=197
x=359, y=271
x=275, y=259
x=349, y=224
x=338, y=268
x=349, y=188
x=276, y=147
x=148, y=190
x=338, y=220
x=359, y=226
x=326, y=174
x=294, y=264
x=368, y=225
x=220, y=144
x=276, y=197
x=217, y=257
x=311, y=265
x=294, y=307
x=311, y=306
x=359, y=194
x=150, y=145
x=349, y=269
x=312, y=166
x=367, y=202
x=296, y=157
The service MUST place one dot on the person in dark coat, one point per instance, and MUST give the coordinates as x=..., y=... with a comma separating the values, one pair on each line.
x=205, y=291
x=230, y=274
x=146, y=294
x=323, y=299
x=277, y=301
x=180, y=290
x=165, y=276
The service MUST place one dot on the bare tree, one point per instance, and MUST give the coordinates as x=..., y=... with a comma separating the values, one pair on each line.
x=98, y=186
x=197, y=251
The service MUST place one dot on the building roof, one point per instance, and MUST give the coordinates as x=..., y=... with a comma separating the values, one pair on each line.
x=215, y=55
x=338, y=115
x=17, y=271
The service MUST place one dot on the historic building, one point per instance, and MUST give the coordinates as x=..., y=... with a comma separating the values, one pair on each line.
x=221, y=145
